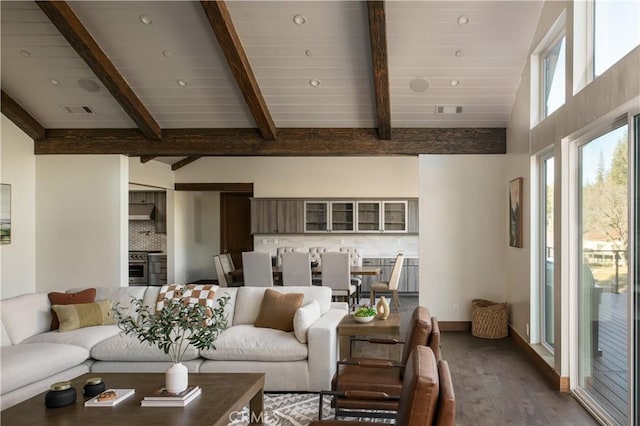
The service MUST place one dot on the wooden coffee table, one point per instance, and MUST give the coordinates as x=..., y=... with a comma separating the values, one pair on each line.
x=223, y=397
x=348, y=327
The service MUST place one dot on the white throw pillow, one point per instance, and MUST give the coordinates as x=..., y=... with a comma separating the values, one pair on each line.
x=303, y=319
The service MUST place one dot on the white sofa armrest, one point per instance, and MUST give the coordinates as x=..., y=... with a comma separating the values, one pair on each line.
x=322, y=339
x=340, y=305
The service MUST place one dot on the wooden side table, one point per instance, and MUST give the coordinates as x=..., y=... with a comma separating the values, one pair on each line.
x=390, y=328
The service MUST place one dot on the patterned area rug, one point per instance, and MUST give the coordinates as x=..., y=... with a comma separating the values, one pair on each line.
x=291, y=409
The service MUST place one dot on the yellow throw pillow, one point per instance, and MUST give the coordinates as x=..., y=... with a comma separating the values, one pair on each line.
x=278, y=309
x=81, y=315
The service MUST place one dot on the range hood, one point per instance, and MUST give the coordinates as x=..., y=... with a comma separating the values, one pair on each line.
x=141, y=211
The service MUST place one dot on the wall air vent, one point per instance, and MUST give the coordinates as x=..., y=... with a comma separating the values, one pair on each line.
x=448, y=109
x=77, y=109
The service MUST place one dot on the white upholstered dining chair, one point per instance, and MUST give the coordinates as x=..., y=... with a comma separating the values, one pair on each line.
x=391, y=286
x=336, y=274
x=256, y=268
x=355, y=258
x=296, y=269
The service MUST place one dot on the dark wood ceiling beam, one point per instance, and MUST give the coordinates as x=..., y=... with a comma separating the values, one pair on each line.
x=179, y=164
x=230, y=43
x=62, y=16
x=20, y=117
x=380, y=66
x=146, y=158
x=291, y=142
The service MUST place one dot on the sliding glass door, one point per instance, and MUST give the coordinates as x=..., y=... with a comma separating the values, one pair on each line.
x=603, y=266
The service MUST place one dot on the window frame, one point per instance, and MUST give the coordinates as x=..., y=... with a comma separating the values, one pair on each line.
x=562, y=34
x=542, y=239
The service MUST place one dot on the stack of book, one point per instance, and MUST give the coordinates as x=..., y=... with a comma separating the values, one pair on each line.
x=161, y=398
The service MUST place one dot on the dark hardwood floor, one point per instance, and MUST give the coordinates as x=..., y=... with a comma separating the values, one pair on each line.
x=495, y=384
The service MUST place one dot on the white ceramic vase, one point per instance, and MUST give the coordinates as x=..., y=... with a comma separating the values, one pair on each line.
x=176, y=378
x=383, y=308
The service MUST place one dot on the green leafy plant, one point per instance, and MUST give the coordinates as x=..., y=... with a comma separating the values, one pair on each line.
x=175, y=326
x=366, y=311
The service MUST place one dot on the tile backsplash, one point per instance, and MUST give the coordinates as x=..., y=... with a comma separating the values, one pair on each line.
x=142, y=236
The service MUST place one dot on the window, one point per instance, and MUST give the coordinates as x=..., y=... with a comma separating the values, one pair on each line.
x=553, y=77
x=546, y=183
x=616, y=31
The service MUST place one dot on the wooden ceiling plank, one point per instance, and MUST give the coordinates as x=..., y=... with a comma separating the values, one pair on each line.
x=179, y=164
x=62, y=16
x=146, y=158
x=231, y=45
x=21, y=118
x=291, y=142
x=380, y=66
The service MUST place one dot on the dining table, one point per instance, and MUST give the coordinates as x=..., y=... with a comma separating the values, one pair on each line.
x=355, y=270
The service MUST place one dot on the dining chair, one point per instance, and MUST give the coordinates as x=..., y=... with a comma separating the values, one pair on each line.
x=316, y=257
x=355, y=257
x=336, y=274
x=280, y=251
x=222, y=277
x=296, y=269
x=390, y=286
x=256, y=267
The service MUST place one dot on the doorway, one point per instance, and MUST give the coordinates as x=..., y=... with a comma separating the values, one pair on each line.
x=235, y=224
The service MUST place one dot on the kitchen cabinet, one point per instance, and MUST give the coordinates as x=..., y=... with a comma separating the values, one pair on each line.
x=316, y=216
x=413, y=217
x=273, y=216
x=394, y=215
x=159, y=200
x=369, y=216
x=342, y=216
x=157, y=270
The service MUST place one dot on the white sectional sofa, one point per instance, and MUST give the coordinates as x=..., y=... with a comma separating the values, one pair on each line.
x=32, y=357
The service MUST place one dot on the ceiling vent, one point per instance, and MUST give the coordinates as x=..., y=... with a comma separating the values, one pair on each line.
x=77, y=109
x=448, y=109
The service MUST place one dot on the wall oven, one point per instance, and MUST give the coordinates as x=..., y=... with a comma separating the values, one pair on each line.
x=138, y=268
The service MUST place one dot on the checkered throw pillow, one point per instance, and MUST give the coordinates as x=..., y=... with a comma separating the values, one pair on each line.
x=190, y=293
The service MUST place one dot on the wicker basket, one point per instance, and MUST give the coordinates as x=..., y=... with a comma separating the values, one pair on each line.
x=489, y=320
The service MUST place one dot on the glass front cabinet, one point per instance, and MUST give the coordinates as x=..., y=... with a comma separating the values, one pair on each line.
x=369, y=216
x=316, y=216
x=394, y=216
x=342, y=216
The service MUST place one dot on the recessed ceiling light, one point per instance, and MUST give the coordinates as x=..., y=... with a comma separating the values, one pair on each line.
x=463, y=19
x=145, y=19
x=89, y=85
x=54, y=82
x=459, y=53
x=419, y=84
x=454, y=83
x=182, y=83
x=314, y=82
x=308, y=53
x=167, y=53
x=299, y=19
x=25, y=53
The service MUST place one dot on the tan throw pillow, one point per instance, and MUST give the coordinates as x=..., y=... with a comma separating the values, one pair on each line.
x=84, y=296
x=81, y=315
x=278, y=309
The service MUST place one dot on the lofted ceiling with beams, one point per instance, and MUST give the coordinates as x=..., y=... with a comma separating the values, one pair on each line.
x=188, y=79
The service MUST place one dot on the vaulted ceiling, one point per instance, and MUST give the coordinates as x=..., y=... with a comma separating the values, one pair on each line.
x=188, y=79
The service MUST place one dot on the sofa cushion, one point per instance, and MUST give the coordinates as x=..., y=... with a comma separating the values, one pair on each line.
x=277, y=310
x=24, y=364
x=55, y=298
x=82, y=315
x=249, y=300
x=120, y=296
x=249, y=343
x=128, y=348
x=86, y=337
x=26, y=315
x=305, y=316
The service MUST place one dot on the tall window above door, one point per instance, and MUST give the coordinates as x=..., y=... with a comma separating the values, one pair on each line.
x=553, y=77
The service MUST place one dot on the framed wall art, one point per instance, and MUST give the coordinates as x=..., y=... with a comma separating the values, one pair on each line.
x=515, y=212
x=5, y=213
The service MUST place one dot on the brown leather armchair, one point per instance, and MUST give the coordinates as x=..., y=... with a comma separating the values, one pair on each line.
x=427, y=396
x=383, y=376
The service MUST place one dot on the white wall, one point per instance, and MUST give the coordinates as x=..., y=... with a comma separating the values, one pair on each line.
x=197, y=234
x=82, y=221
x=151, y=173
x=18, y=168
x=463, y=232
x=311, y=176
